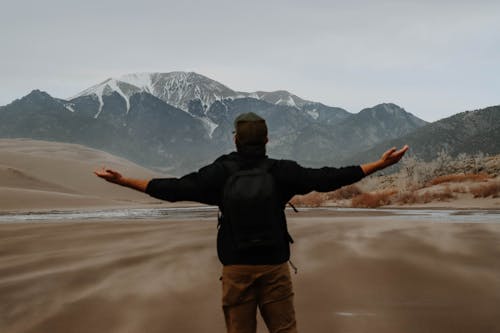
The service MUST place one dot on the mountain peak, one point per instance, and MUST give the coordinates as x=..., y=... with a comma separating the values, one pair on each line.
x=389, y=108
x=175, y=88
x=390, y=113
x=280, y=97
x=36, y=96
x=38, y=93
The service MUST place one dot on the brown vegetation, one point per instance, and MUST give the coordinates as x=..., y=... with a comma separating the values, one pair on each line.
x=458, y=178
x=346, y=192
x=412, y=197
x=313, y=199
x=417, y=182
x=486, y=190
x=316, y=199
x=372, y=200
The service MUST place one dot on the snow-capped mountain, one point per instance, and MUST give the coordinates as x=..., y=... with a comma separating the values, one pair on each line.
x=175, y=88
x=181, y=89
x=179, y=121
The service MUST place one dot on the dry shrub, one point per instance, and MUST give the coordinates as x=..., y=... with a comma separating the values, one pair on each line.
x=313, y=199
x=457, y=178
x=297, y=200
x=460, y=189
x=444, y=195
x=372, y=200
x=409, y=197
x=486, y=190
x=346, y=192
x=426, y=197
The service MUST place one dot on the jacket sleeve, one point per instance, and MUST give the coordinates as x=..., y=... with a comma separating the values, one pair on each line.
x=203, y=186
x=302, y=180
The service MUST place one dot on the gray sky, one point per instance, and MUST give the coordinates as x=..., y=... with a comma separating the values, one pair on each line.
x=433, y=58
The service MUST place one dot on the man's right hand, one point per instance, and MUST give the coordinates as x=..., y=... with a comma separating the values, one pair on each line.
x=110, y=175
x=115, y=177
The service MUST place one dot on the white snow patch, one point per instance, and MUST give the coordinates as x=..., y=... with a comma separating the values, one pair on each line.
x=69, y=107
x=287, y=101
x=94, y=90
x=290, y=101
x=140, y=80
x=114, y=86
x=209, y=125
x=313, y=113
x=101, y=104
x=97, y=91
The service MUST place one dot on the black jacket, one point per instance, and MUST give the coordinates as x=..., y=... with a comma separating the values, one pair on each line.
x=206, y=185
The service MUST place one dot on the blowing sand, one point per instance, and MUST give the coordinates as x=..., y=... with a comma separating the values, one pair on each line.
x=357, y=273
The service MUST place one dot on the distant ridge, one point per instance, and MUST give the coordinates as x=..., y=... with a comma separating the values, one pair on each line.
x=178, y=121
x=468, y=132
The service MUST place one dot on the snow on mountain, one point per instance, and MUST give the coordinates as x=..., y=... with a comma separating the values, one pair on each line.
x=107, y=87
x=210, y=126
x=140, y=80
x=313, y=113
x=178, y=88
x=281, y=97
x=175, y=88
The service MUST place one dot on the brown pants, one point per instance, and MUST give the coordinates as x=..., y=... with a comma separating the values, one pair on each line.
x=268, y=287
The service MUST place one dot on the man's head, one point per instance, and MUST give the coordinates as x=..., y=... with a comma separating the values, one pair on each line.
x=250, y=130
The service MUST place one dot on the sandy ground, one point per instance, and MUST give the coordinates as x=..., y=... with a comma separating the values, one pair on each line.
x=358, y=272
x=40, y=175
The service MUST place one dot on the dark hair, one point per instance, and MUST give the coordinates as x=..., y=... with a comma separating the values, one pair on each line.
x=250, y=129
x=251, y=133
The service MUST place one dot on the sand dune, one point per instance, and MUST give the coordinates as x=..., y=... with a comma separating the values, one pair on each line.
x=16, y=178
x=358, y=271
x=356, y=274
x=50, y=175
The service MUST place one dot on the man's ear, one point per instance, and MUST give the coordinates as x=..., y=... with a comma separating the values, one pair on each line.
x=267, y=140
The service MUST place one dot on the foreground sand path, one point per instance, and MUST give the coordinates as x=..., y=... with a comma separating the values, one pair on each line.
x=356, y=274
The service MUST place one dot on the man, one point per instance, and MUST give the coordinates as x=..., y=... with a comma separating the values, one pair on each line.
x=255, y=277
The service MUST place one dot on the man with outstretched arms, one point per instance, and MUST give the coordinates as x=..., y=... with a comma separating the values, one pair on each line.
x=253, y=243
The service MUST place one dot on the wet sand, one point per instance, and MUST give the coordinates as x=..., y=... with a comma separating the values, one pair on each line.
x=357, y=273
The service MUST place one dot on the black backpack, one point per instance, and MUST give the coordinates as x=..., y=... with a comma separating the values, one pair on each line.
x=251, y=207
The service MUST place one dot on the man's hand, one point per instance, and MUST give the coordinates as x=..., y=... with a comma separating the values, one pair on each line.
x=115, y=177
x=390, y=157
x=110, y=175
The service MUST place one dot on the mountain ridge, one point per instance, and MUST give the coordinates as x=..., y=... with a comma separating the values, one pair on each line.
x=156, y=134
x=468, y=132
x=179, y=88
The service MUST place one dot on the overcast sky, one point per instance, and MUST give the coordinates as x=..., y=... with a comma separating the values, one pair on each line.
x=433, y=58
